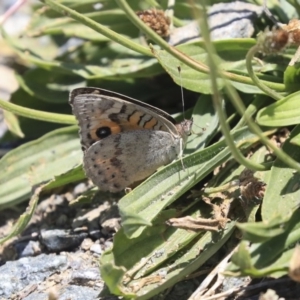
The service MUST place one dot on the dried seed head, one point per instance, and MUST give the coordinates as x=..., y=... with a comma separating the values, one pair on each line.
x=250, y=186
x=270, y=42
x=253, y=190
x=156, y=20
x=293, y=29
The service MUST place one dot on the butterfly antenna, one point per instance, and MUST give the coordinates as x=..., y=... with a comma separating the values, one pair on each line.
x=182, y=96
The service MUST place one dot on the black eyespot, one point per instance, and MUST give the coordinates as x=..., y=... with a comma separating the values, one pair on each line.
x=103, y=132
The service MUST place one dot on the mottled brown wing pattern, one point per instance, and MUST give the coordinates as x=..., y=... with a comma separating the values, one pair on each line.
x=124, y=140
x=100, y=116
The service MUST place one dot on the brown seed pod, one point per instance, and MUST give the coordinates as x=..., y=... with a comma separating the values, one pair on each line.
x=273, y=41
x=156, y=20
x=293, y=29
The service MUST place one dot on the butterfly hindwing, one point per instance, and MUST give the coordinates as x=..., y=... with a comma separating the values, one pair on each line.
x=122, y=159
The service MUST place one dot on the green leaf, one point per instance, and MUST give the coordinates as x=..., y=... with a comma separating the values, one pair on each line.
x=205, y=124
x=189, y=78
x=35, y=128
x=231, y=60
x=284, y=112
x=48, y=86
x=283, y=187
x=270, y=255
x=72, y=175
x=292, y=77
x=12, y=123
x=36, y=162
x=257, y=232
x=160, y=250
x=114, y=19
x=130, y=64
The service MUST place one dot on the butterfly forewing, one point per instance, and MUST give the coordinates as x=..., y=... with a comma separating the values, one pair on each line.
x=100, y=116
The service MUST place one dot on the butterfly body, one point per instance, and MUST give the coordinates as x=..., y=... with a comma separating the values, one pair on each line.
x=124, y=140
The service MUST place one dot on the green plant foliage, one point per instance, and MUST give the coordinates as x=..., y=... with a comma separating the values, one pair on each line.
x=237, y=104
x=279, y=234
x=36, y=162
x=284, y=112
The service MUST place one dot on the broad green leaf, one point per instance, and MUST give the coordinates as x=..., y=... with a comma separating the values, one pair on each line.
x=36, y=162
x=284, y=112
x=231, y=58
x=72, y=175
x=295, y=140
x=114, y=19
x=292, y=77
x=126, y=66
x=153, y=251
x=48, y=86
x=189, y=78
x=271, y=254
x=283, y=187
x=32, y=128
x=258, y=232
x=205, y=124
x=188, y=261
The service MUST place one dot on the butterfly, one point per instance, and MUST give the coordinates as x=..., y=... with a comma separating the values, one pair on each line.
x=124, y=140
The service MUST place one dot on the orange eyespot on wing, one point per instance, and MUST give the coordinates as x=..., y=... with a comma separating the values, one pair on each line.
x=99, y=116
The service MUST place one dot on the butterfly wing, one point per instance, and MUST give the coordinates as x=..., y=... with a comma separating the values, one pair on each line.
x=116, y=162
x=102, y=113
x=124, y=140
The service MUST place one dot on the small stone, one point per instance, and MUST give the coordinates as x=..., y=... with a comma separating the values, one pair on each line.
x=61, y=220
x=58, y=240
x=86, y=244
x=32, y=248
x=80, y=188
x=91, y=274
x=110, y=226
x=95, y=234
x=58, y=200
x=108, y=245
x=96, y=248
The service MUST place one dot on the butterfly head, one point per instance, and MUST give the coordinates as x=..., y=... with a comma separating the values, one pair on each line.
x=185, y=128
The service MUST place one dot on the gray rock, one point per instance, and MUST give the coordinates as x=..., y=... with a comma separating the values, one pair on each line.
x=16, y=275
x=32, y=248
x=58, y=240
x=83, y=276
x=74, y=292
x=226, y=20
x=71, y=292
x=96, y=248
